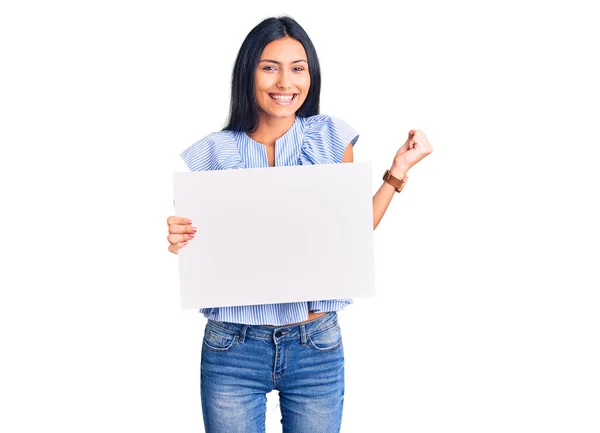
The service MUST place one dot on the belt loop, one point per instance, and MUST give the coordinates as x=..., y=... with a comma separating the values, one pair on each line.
x=243, y=333
x=303, y=335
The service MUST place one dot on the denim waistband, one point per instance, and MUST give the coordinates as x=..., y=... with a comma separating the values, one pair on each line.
x=264, y=332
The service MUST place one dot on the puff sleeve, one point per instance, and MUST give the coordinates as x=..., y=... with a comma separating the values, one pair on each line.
x=216, y=151
x=325, y=140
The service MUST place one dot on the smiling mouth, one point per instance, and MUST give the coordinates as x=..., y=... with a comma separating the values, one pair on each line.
x=283, y=97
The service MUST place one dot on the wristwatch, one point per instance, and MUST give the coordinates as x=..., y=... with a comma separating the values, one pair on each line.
x=394, y=181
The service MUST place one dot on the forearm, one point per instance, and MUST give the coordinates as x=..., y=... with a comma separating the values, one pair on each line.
x=383, y=197
x=381, y=201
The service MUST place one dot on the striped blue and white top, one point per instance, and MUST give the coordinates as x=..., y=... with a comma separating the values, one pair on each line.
x=311, y=140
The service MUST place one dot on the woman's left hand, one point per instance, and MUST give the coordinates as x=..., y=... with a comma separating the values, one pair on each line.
x=412, y=151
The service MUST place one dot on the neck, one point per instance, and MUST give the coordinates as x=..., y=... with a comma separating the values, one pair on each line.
x=271, y=128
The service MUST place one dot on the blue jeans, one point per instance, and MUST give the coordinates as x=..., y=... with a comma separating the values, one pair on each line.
x=242, y=363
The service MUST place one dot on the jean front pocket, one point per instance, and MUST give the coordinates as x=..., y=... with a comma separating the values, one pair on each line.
x=219, y=339
x=328, y=339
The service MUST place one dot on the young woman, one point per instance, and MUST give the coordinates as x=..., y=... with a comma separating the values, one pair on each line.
x=295, y=348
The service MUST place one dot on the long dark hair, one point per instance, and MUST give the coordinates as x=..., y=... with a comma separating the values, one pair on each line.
x=243, y=113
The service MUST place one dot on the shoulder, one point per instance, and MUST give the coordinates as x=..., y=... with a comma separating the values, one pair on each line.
x=325, y=139
x=216, y=151
x=323, y=126
x=323, y=121
x=216, y=138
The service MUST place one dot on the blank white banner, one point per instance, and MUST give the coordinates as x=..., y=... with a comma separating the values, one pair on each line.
x=277, y=234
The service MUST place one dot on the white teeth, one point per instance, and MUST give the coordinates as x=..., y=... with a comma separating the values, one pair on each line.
x=285, y=98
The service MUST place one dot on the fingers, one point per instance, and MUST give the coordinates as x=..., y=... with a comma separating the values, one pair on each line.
x=181, y=231
x=178, y=219
x=416, y=134
x=407, y=144
x=419, y=141
x=175, y=239
x=179, y=225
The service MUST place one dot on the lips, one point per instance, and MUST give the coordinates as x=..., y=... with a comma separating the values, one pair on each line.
x=282, y=98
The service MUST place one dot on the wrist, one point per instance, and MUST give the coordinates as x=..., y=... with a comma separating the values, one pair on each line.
x=398, y=171
x=396, y=182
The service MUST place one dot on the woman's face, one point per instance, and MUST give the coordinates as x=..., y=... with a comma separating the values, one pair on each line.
x=282, y=79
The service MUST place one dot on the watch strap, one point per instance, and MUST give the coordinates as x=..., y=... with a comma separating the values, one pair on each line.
x=394, y=181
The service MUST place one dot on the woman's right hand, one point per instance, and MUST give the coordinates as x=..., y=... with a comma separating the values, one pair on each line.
x=181, y=231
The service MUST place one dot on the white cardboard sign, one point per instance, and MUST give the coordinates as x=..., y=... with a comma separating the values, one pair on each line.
x=277, y=234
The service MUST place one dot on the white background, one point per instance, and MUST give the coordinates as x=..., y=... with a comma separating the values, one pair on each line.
x=486, y=318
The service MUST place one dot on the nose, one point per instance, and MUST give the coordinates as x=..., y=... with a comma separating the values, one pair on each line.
x=284, y=81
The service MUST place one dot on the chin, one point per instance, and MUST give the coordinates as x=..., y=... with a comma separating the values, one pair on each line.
x=282, y=114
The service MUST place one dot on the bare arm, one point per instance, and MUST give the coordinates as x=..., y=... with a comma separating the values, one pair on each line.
x=410, y=153
x=383, y=196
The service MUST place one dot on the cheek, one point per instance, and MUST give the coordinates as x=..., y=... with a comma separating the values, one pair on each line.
x=261, y=83
x=304, y=83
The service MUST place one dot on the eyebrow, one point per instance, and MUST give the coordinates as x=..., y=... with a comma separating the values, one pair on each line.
x=278, y=63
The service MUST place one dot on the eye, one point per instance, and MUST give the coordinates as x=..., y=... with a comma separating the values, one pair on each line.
x=298, y=69
x=269, y=68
